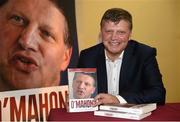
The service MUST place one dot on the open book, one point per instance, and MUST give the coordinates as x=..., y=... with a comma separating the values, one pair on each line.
x=82, y=83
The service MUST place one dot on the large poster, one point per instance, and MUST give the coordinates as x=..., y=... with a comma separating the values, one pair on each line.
x=33, y=60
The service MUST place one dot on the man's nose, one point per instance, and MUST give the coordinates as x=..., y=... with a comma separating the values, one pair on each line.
x=81, y=85
x=114, y=36
x=28, y=39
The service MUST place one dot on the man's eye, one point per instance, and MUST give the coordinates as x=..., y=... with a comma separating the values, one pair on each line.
x=46, y=33
x=87, y=84
x=121, y=32
x=17, y=20
x=78, y=81
x=108, y=31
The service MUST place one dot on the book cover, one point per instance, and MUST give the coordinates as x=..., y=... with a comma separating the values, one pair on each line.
x=82, y=83
x=130, y=108
x=123, y=115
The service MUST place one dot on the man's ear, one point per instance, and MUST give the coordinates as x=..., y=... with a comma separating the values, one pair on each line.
x=66, y=58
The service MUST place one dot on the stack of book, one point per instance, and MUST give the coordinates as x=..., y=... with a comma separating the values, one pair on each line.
x=127, y=111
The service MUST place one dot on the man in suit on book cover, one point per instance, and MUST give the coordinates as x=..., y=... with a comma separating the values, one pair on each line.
x=84, y=85
x=127, y=70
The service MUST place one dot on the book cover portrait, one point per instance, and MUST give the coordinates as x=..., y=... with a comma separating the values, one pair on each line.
x=82, y=84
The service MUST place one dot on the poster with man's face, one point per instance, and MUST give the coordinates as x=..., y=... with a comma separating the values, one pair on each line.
x=33, y=55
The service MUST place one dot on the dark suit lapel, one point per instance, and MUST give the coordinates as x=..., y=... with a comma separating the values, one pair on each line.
x=102, y=74
x=125, y=72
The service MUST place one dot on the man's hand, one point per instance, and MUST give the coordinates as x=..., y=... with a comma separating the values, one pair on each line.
x=103, y=98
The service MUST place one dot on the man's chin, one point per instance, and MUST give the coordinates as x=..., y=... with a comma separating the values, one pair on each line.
x=25, y=84
x=80, y=97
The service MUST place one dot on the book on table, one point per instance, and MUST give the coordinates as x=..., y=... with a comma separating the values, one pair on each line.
x=123, y=115
x=130, y=108
x=127, y=111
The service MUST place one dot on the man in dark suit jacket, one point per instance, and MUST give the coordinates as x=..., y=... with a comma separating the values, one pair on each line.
x=127, y=71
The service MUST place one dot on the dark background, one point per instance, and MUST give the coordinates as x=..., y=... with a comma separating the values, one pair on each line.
x=69, y=9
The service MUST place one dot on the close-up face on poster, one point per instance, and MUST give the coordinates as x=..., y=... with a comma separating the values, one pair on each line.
x=35, y=48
